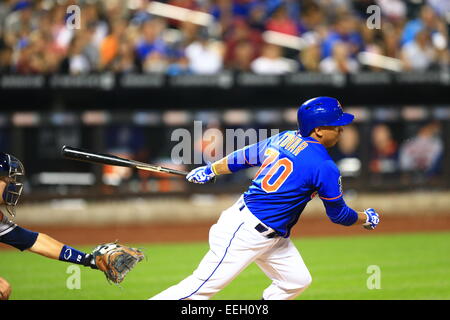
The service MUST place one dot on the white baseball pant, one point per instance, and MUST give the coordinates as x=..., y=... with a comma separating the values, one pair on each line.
x=234, y=244
x=6, y=225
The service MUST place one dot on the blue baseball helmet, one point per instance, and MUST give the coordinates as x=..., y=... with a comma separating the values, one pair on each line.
x=321, y=111
x=12, y=172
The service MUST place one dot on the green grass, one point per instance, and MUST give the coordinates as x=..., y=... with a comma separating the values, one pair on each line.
x=413, y=266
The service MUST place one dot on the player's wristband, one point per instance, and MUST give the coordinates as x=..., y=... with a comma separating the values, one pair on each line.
x=214, y=170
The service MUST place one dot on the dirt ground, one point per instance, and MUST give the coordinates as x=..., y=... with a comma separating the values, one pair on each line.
x=158, y=233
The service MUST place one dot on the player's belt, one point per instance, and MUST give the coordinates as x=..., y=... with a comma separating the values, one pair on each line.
x=260, y=227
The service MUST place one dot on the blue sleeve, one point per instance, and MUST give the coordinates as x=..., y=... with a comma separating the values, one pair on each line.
x=339, y=212
x=329, y=187
x=20, y=238
x=250, y=156
x=327, y=181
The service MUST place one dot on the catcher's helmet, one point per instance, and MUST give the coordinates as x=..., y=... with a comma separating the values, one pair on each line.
x=12, y=172
x=321, y=111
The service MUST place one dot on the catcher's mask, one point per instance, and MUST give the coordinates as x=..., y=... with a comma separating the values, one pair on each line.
x=11, y=172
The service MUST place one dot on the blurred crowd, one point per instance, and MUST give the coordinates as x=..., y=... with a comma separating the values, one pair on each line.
x=125, y=36
x=418, y=149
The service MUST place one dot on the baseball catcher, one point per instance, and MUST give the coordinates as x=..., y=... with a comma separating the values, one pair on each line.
x=113, y=259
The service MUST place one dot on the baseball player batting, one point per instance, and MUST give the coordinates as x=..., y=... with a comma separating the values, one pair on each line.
x=111, y=258
x=294, y=166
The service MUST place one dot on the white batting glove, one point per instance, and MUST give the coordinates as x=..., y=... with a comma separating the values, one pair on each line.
x=372, y=219
x=201, y=175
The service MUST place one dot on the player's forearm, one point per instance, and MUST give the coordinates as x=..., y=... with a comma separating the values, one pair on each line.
x=340, y=213
x=233, y=162
x=221, y=167
x=47, y=246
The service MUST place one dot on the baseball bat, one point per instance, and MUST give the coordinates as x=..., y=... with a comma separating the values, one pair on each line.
x=100, y=158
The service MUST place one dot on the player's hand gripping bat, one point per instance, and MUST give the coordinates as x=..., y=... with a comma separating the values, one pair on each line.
x=99, y=158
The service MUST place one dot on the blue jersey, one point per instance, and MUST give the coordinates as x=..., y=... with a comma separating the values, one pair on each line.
x=292, y=170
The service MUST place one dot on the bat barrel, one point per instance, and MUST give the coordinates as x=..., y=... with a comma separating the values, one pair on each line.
x=86, y=156
x=98, y=158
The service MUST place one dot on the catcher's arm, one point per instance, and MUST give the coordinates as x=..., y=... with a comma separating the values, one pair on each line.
x=5, y=289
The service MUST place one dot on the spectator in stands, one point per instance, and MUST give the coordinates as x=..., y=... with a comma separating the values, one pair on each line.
x=281, y=22
x=347, y=146
x=335, y=7
x=151, y=39
x=257, y=16
x=36, y=56
x=223, y=12
x=345, y=30
x=139, y=13
x=157, y=61
x=6, y=54
x=324, y=22
x=126, y=60
x=310, y=58
x=77, y=62
x=20, y=18
x=179, y=65
x=346, y=153
x=426, y=20
x=109, y=47
x=311, y=17
x=419, y=55
x=423, y=153
x=384, y=151
x=341, y=60
x=46, y=28
x=240, y=32
x=243, y=55
x=188, y=33
x=272, y=61
x=5, y=8
x=94, y=23
x=62, y=36
x=441, y=7
x=23, y=54
x=393, y=10
x=391, y=41
x=205, y=55
x=91, y=49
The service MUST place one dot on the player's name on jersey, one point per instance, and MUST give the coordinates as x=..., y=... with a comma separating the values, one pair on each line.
x=292, y=143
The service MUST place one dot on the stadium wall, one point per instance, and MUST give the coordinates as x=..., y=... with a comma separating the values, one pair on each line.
x=207, y=208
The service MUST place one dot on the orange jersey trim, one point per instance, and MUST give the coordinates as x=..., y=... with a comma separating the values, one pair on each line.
x=245, y=158
x=331, y=198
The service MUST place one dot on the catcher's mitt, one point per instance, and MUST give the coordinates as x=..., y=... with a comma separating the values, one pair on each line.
x=116, y=260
